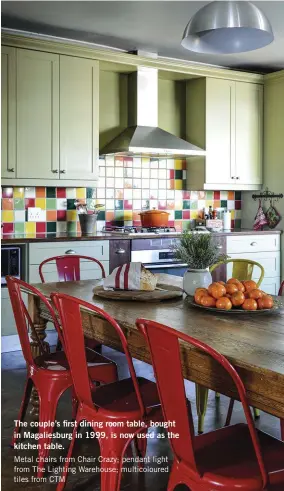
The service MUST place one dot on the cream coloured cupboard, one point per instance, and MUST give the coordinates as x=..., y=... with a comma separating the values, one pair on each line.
x=226, y=118
x=50, y=119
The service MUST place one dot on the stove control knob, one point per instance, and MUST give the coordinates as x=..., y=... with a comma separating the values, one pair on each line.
x=120, y=251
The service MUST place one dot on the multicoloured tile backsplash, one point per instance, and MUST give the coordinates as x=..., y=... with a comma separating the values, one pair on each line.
x=125, y=187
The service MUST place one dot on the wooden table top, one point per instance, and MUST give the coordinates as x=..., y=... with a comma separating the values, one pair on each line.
x=250, y=340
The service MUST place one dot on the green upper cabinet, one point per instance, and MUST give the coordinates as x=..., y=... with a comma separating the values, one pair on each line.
x=79, y=118
x=225, y=117
x=37, y=143
x=8, y=111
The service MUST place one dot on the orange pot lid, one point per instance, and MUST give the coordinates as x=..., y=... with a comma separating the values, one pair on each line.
x=153, y=212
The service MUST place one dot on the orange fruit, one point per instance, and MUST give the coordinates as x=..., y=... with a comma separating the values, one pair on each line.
x=208, y=301
x=240, y=287
x=221, y=283
x=231, y=288
x=256, y=294
x=265, y=302
x=237, y=299
x=246, y=294
x=198, y=290
x=227, y=295
x=216, y=290
x=198, y=296
x=232, y=281
x=224, y=303
x=249, y=304
x=249, y=285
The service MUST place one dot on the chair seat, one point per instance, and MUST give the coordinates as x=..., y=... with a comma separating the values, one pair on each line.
x=228, y=453
x=57, y=361
x=120, y=396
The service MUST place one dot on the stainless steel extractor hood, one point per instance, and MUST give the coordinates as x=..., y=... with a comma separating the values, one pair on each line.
x=143, y=136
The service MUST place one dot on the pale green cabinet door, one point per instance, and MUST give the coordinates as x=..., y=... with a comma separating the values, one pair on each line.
x=8, y=111
x=249, y=133
x=79, y=118
x=220, y=104
x=37, y=114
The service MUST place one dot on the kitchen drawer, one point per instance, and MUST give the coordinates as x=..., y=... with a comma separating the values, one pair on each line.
x=269, y=260
x=253, y=243
x=88, y=271
x=99, y=249
x=271, y=285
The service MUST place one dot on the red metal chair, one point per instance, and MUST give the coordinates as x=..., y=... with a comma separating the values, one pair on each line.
x=49, y=372
x=125, y=401
x=236, y=457
x=68, y=269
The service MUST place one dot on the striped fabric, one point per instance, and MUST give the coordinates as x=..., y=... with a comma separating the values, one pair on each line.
x=126, y=277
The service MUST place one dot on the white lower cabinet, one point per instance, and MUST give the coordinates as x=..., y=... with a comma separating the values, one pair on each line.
x=264, y=249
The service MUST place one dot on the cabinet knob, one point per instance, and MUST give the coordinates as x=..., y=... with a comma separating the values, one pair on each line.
x=253, y=244
x=11, y=170
x=63, y=171
x=120, y=251
x=55, y=171
x=237, y=178
x=70, y=251
x=233, y=177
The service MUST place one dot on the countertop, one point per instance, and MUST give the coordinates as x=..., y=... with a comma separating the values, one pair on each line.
x=50, y=237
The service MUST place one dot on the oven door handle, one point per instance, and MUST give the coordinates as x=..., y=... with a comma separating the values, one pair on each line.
x=159, y=266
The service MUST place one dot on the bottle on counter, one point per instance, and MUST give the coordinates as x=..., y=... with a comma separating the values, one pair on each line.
x=214, y=214
x=210, y=213
x=227, y=220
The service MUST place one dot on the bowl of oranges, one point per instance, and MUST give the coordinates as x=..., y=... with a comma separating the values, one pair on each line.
x=233, y=297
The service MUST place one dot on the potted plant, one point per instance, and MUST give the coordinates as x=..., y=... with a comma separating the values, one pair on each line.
x=199, y=251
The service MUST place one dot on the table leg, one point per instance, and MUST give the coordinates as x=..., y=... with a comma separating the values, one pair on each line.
x=201, y=405
x=39, y=326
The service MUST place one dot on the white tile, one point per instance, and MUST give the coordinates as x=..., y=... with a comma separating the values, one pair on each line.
x=101, y=193
x=162, y=164
x=154, y=183
x=109, y=193
x=61, y=227
x=109, y=161
x=162, y=184
x=137, y=204
x=61, y=204
x=154, y=164
x=119, y=182
x=43, y=216
x=19, y=215
x=109, y=204
x=162, y=193
x=71, y=193
x=30, y=192
x=128, y=193
x=137, y=173
x=154, y=173
x=224, y=195
x=145, y=173
x=162, y=174
x=102, y=171
x=231, y=204
x=110, y=171
x=100, y=224
x=137, y=162
x=110, y=182
x=170, y=164
x=137, y=193
x=118, y=171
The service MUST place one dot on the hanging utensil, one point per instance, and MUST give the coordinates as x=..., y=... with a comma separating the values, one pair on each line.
x=260, y=219
x=273, y=217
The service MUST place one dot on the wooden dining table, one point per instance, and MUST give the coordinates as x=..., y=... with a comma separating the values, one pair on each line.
x=253, y=342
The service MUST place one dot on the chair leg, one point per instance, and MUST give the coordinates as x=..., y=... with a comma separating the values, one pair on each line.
x=230, y=411
x=23, y=409
x=74, y=403
x=217, y=395
x=256, y=413
x=201, y=405
x=282, y=429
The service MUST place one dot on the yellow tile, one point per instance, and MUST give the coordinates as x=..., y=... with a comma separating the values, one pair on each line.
x=71, y=215
x=19, y=192
x=41, y=203
x=232, y=214
x=81, y=193
x=194, y=214
x=127, y=215
x=30, y=227
x=178, y=164
x=178, y=184
x=7, y=216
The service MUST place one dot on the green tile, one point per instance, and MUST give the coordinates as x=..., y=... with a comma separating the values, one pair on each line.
x=101, y=215
x=72, y=227
x=178, y=174
x=51, y=192
x=119, y=216
x=71, y=204
x=186, y=204
x=185, y=225
x=19, y=204
x=238, y=195
x=19, y=228
x=51, y=227
x=119, y=204
x=178, y=215
x=208, y=195
x=91, y=202
x=91, y=192
x=51, y=203
x=238, y=223
x=224, y=203
x=193, y=204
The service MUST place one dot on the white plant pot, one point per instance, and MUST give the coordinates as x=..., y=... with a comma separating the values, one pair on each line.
x=196, y=278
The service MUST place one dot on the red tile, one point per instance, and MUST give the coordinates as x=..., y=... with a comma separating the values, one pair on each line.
x=186, y=195
x=61, y=192
x=238, y=205
x=171, y=223
x=29, y=202
x=216, y=195
x=186, y=214
x=127, y=204
x=172, y=173
x=162, y=205
x=8, y=228
x=7, y=192
x=153, y=194
x=184, y=165
x=61, y=215
x=232, y=223
x=40, y=227
x=136, y=223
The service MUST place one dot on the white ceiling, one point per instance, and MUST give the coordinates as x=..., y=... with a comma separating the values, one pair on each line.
x=154, y=26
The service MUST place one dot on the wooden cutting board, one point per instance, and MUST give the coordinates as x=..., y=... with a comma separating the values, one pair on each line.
x=163, y=292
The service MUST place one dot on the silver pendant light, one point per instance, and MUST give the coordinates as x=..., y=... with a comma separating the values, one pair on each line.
x=227, y=27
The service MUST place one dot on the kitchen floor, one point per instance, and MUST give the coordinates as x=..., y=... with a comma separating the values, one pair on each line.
x=13, y=377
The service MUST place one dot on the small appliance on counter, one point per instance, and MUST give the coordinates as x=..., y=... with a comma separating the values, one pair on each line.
x=227, y=220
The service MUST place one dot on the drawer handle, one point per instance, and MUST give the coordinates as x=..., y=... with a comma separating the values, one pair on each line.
x=120, y=251
x=62, y=171
x=253, y=243
x=55, y=171
x=11, y=169
x=70, y=251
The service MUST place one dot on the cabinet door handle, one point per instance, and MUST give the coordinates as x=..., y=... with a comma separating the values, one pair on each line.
x=253, y=244
x=55, y=171
x=70, y=251
x=11, y=169
x=63, y=171
x=120, y=251
x=237, y=178
x=233, y=177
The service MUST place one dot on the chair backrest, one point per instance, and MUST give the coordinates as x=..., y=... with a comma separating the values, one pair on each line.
x=281, y=289
x=69, y=309
x=22, y=317
x=164, y=344
x=68, y=266
x=242, y=269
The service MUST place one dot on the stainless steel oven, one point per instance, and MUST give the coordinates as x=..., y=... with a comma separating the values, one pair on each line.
x=12, y=262
x=157, y=255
